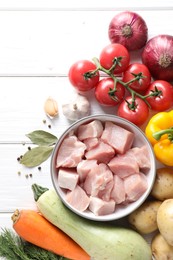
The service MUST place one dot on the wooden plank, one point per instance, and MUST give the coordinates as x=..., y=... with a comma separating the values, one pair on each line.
x=47, y=43
x=84, y=5
x=22, y=106
x=16, y=180
x=43, y=38
x=5, y=221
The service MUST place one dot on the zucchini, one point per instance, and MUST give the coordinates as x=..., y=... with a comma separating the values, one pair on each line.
x=102, y=241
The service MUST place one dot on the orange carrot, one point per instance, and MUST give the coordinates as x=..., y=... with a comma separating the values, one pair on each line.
x=34, y=228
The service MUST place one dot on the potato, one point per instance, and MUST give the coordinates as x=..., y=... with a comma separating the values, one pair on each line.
x=165, y=220
x=161, y=250
x=144, y=219
x=163, y=186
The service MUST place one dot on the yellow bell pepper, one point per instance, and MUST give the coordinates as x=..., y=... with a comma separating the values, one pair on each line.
x=159, y=132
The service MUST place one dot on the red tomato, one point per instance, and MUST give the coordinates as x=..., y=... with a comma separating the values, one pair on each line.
x=115, y=52
x=105, y=94
x=138, y=115
x=134, y=69
x=162, y=95
x=80, y=75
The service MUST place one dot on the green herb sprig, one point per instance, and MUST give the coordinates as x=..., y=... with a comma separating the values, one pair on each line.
x=14, y=247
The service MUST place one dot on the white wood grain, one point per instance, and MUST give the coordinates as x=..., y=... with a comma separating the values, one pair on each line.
x=39, y=42
x=84, y=5
x=46, y=43
x=22, y=106
x=5, y=220
x=16, y=180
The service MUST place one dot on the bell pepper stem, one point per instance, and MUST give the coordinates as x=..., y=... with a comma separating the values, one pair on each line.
x=158, y=135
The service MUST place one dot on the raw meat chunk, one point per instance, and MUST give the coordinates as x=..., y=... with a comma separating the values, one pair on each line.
x=67, y=178
x=123, y=165
x=78, y=198
x=119, y=138
x=90, y=130
x=100, y=207
x=84, y=167
x=118, y=192
x=90, y=143
x=99, y=182
x=135, y=185
x=103, y=153
x=99, y=167
x=141, y=156
x=70, y=152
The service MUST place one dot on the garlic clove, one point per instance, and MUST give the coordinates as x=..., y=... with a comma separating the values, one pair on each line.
x=77, y=108
x=51, y=107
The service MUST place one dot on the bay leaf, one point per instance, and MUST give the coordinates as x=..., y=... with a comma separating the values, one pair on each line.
x=36, y=156
x=42, y=138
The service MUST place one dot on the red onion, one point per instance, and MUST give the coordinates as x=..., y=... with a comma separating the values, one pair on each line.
x=158, y=57
x=129, y=29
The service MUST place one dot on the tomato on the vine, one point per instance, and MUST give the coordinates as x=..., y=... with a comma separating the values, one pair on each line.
x=136, y=112
x=161, y=95
x=83, y=76
x=106, y=94
x=115, y=54
x=133, y=70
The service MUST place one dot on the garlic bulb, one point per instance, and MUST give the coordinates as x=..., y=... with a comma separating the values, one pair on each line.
x=51, y=107
x=77, y=108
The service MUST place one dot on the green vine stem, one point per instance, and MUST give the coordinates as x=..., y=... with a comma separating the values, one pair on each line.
x=116, y=79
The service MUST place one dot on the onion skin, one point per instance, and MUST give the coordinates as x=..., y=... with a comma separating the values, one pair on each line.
x=128, y=29
x=157, y=55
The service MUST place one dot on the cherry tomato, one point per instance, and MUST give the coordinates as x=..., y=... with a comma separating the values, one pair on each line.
x=105, y=93
x=115, y=53
x=162, y=95
x=137, y=114
x=135, y=69
x=81, y=77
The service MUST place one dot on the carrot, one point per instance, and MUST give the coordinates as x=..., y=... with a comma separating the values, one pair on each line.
x=34, y=228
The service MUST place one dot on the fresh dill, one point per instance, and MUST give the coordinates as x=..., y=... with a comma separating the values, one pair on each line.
x=14, y=247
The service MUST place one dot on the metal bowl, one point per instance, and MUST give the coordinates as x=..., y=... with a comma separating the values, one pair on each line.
x=139, y=140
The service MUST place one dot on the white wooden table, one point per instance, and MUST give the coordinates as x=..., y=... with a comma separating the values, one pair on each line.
x=39, y=41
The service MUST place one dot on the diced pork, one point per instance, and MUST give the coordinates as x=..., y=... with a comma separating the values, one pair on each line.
x=123, y=165
x=91, y=143
x=135, y=185
x=99, y=182
x=141, y=156
x=84, y=167
x=70, y=152
x=119, y=138
x=118, y=192
x=90, y=130
x=67, y=178
x=98, y=167
x=78, y=198
x=100, y=207
x=103, y=153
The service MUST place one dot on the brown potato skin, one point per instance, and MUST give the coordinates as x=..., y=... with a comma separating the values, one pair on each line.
x=163, y=186
x=144, y=219
x=165, y=220
x=160, y=248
